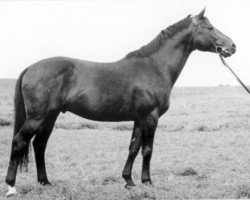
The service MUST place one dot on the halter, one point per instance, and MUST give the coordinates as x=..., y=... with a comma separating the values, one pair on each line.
x=218, y=49
x=195, y=22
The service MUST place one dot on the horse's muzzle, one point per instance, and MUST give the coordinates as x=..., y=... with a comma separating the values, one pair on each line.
x=226, y=52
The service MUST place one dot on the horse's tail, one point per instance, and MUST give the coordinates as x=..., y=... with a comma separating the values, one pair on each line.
x=19, y=118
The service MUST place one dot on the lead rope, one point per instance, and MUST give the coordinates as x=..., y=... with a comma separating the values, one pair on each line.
x=238, y=79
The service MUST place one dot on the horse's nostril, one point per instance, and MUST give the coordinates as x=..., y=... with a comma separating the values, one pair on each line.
x=219, y=49
x=234, y=46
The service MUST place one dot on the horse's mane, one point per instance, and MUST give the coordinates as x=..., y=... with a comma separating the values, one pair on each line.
x=157, y=43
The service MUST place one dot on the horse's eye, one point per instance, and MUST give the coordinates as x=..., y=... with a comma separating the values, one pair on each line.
x=210, y=28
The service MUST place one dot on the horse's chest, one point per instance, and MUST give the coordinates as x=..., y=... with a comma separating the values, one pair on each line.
x=164, y=102
x=164, y=108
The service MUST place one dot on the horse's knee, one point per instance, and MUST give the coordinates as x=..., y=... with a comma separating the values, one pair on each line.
x=134, y=151
x=147, y=151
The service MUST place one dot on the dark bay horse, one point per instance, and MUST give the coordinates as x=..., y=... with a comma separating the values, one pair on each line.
x=136, y=88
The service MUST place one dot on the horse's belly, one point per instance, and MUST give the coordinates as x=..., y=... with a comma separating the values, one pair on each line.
x=102, y=110
x=102, y=116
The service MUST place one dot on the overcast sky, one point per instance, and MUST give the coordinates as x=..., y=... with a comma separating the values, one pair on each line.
x=106, y=30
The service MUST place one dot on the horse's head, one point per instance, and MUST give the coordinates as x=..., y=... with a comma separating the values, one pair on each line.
x=208, y=38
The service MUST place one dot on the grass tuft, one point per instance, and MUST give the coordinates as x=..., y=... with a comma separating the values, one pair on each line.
x=144, y=194
x=4, y=122
x=77, y=126
x=243, y=192
x=188, y=172
x=122, y=127
x=109, y=180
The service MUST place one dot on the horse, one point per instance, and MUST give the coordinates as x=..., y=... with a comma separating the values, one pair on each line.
x=136, y=88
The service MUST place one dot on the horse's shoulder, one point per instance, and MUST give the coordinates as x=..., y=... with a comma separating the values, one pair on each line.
x=146, y=64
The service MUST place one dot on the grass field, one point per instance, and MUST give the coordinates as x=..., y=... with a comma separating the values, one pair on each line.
x=201, y=151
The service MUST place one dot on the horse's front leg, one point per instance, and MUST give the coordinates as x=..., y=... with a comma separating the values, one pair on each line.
x=135, y=145
x=148, y=132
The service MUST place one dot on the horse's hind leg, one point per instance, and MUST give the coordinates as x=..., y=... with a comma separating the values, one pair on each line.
x=40, y=143
x=134, y=148
x=20, y=148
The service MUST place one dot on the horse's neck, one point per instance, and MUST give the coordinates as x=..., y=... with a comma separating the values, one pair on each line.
x=172, y=57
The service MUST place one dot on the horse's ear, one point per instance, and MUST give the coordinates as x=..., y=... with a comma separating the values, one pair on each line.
x=201, y=14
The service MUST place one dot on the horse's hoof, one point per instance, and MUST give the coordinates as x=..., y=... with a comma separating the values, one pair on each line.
x=148, y=183
x=45, y=183
x=11, y=191
x=129, y=181
x=129, y=185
